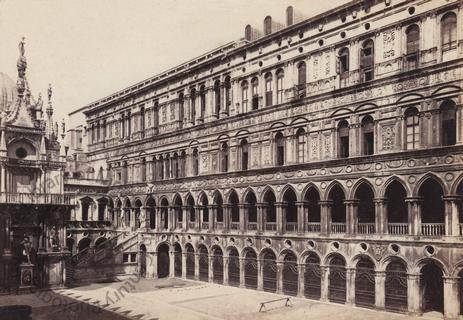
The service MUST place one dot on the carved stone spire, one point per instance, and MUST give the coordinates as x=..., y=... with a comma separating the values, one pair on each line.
x=22, y=66
x=50, y=122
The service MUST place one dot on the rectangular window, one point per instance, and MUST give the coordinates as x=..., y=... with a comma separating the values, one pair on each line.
x=344, y=147
x=268, y=98
x=244, y=161
x=368, y=143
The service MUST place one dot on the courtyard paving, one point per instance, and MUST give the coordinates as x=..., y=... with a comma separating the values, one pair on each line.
x=148, y=299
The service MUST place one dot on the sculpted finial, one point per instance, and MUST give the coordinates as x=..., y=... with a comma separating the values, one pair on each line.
x=50, y=92
x=22, y=49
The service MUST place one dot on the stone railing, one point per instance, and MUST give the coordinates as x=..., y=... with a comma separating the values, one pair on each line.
x=397, y=228
x=77, y=224
x=36, y=198
x=338, y=227
x=252, y=226
x=291, y=226
x=271, y=226
x=234, y=226
x=313, y=227
x=366, y=228
x=432, y=229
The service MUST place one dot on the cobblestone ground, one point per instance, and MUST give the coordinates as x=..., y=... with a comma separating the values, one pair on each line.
x=177, y=299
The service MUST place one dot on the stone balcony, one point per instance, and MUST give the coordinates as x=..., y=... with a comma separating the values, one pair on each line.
x=36, y=198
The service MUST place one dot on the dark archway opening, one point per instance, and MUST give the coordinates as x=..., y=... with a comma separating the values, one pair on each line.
x=365, y=283
x=337, y=280
x=233, y=267
x=250, y=269
x=217, y=265
x=177, y=260
x=190, y=261
x=290, y=275
x=203, y=264
x=163, y=260
x=312, y=277
x=396, y=286
x=269, y=271
x=432, y=288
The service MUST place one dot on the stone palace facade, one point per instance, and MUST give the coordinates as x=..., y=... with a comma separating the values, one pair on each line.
x=320, y=157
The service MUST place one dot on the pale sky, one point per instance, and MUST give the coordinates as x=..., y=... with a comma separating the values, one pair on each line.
x=88, y=49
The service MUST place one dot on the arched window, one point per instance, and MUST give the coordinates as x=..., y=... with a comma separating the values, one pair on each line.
x=227, y=86
x=268, y=89
x=301, y=141
x=180, y=107
x=343, y=60
x=193, y=104
x=412, y=124
x=343, y=66
x=301, y=78
x=244, y=154
x=255, y=93
x=244, y=95
x=367, y=62
x=413, y=47
x=343, y=139
x=267, y=25
x=279, y=149
x=161, y=167
x=202, y=98
x=368, y=135
x=175, y=168
x=449, y=31
x=280, y=89
x=224, y=157
x=167, y=167
x=248, y=32
x=449, y=123
x=195, y=160
x=217, y=97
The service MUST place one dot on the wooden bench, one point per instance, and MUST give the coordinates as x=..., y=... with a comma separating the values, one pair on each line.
x=287, y=303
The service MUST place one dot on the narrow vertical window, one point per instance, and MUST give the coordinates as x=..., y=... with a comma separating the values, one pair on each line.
x=244, y=154
x=193, y=104
x=279, y=149
x=301, y=141
x=301, y=79
x=412, y=128
x=413, y=47
x=268, y=89
x=217, y=97
x=224, y=157
x=280, y=88
x=255, y=93
x=343, y=139
x=449, y=123
x=368, y=135
x=449, y=31
x=195, y=162
x=244, y=95
x=343, y=66
x=367, y=63
x=202, y=98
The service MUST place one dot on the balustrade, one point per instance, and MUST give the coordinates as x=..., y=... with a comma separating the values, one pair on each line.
x=35, y=198
x=432, y=229
x=205, y=225
x=313, y=227
x=271, y=226
x=338, y=227
x=397, y=228
x=291, y=226
x=252, y=226
x=234, y=226
x=366, y=228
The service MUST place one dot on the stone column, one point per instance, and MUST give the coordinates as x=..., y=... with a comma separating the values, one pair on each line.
x=225, y=270
x=413, y=294
x=301, y=284
x=325, y=216
x=226, y=218
x=243, y=220
x=242, y=266
x=260, y=275
x=280, y=221
x=451, y=298
x=351, y=216
x=211, y=267
x=186, y=217
x=301, y=217
x=143, y=218
x=280, y=266
x=452, y=221
x=260, y=217
x=198, y=214
x=325, y=273
x=380, y=289
x=159, y=224
x=381, y=215
x=350, y=286
x=171, y=264
x=212, y=217
x=184, y=254
x=196, y=266
x=414, y=215
x=152, y=267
